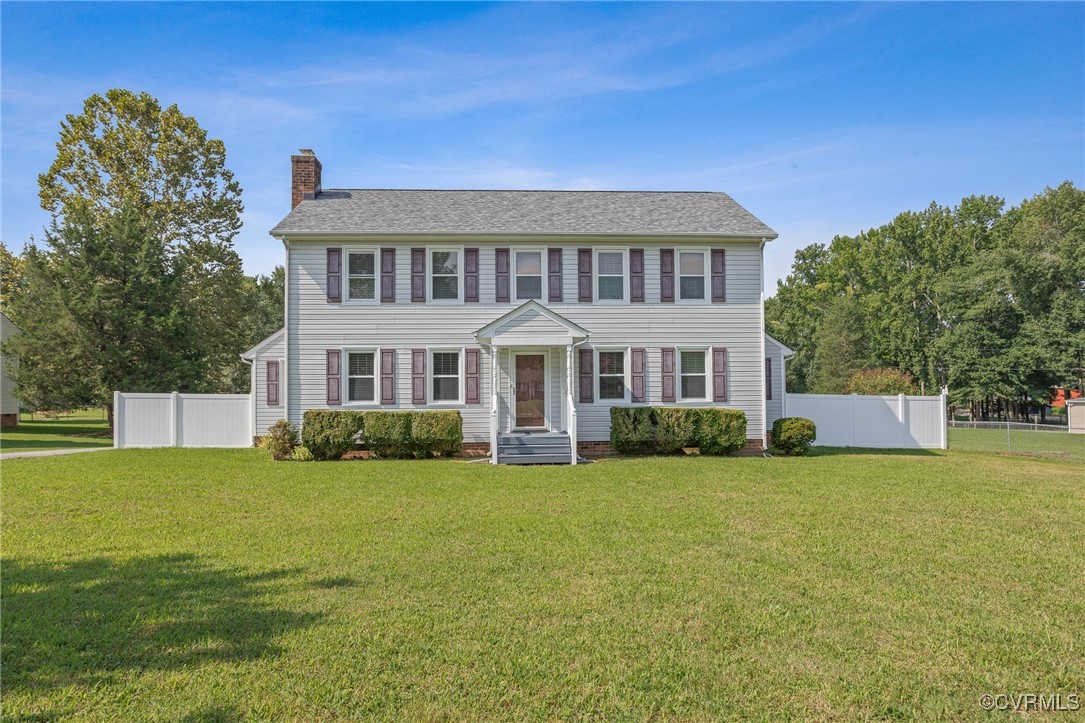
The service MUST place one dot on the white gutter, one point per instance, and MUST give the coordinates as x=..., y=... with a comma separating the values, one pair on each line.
x=761, y=366
x=325, y=235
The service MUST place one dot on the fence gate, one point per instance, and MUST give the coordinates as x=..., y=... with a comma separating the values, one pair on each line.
x=182, y=420
x=889, y=422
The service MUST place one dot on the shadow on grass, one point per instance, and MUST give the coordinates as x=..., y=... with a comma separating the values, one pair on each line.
x=86, y=622
x=845, y=451
x=56, y=434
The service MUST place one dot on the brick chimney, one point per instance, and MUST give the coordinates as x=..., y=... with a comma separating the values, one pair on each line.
x=304, y=177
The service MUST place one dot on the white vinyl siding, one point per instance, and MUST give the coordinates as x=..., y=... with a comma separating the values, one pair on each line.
x=774, y=408
x=316, y=326
x=268, y=415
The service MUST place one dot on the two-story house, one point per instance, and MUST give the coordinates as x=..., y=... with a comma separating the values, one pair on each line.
x=530, y=312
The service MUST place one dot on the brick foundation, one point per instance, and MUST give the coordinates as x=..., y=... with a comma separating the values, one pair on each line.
x=9, y=420
x=475, y=449
x=595, y=449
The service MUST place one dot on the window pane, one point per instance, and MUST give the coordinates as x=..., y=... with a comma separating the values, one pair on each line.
x=528, y=287
x=693, y=387
x=692, y=287
x=693, y=362
x=446, y=389
x=361, y=264
x=691, y=264
x=611, y=287
x=610, y=264
x=361, y=365
x=529, y=262
x=611, y=388
x=362, y=288
x=361, y=390
x=446, y=287
x=445, y=262
x=446, y=363
x=611, y=362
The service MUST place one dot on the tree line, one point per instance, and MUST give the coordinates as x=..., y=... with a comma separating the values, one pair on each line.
x=985, y=300
x=135, y=285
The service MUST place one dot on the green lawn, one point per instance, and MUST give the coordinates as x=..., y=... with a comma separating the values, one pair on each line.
x=82, y=429
x=216, y=584
x=1055, y=444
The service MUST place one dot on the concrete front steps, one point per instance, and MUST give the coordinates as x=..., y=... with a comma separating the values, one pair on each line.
x=534, y=448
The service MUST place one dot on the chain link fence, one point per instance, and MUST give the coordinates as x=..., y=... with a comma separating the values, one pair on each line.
x=1056, y=441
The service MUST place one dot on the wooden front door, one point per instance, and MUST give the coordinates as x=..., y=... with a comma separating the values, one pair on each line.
x=530, y=390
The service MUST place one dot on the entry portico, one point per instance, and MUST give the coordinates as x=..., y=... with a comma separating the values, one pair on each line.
x=532, y=412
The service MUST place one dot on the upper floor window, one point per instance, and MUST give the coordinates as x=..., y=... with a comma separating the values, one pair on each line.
x=529, y=275
x=361, y=275
x=694, y=382
x=445, y=275
x=691, y=275
x=610, y=275
x=612, y=375
x=361, y=381
x=446, y=376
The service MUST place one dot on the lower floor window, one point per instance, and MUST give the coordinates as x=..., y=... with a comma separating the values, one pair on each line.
x=692, y=367
x=360, y=381
x=612, y=375
x=446, y=376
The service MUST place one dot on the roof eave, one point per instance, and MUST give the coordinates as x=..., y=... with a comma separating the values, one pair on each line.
x=285, y=235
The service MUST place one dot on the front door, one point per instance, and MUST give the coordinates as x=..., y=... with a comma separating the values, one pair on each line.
x=530, y=390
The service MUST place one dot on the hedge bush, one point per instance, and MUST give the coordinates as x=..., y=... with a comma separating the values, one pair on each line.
x=302, y=454
x=438, y=432
x=667, y=430
x=388, y=434
x=793, y=435
x=280, y=440
x=331, y=433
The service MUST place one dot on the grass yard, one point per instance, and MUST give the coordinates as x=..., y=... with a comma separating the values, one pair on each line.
x=216, y=584
x=83, y=428
x=1055, y=444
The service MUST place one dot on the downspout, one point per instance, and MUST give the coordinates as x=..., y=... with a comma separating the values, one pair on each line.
x=286, y=333
x=761, y=364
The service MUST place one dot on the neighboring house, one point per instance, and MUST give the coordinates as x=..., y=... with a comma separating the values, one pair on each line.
x=9, y=405
x=530, y=312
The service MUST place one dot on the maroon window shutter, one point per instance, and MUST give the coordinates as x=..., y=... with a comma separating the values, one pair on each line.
x=335, y=276
x=636, y=274
x=334, y=397
x=719, y=375
x=587, y=376
x=472, y=394
x=470, y=274
x=768, y=377
x=388, y=276
x=418, y=376
x=388, y=376
x=418, y=275
x=637, y=376
x=667, y=374
x=583, y=257
x=719, y=275
x=273, y=383
x=555, y=275
x=666, y=275
x=501, y=278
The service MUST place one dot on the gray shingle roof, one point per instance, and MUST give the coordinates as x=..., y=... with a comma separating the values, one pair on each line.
x=522, y=212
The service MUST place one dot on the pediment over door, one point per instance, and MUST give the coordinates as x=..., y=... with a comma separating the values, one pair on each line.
x=531, y=324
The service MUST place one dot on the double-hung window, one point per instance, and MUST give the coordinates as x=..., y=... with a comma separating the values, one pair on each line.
x=446, y=376
x=361, y=376
x=610, y=275
x=612, y=375
x=361, y=275
x=691, y=275
x=693, y=369
x=529, y=275
x=445, y=275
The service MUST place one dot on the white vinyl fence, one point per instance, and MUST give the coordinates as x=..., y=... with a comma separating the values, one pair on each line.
x=891, y=422
x=182, y=420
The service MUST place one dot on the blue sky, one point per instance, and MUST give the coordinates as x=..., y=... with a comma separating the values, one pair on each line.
x=821, y=118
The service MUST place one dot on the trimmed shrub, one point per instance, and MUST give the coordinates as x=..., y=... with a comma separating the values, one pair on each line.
x=631, y=429
x=331, y=433
x=280, y=440
x=388, y=434
x=439, y=432
x=721, y=431
x=675, y=428
x=302, y=454
x=793, y=435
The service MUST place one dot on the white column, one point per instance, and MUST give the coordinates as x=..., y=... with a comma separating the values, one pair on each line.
x=493, y=404
x=569, y=399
